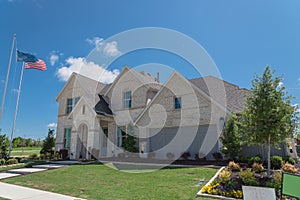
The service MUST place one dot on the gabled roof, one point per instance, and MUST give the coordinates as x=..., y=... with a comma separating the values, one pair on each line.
x=175, y=73
x=142, y=76
x=102, y=107
x=82, y=99
x=235, y=96
x=80, y=78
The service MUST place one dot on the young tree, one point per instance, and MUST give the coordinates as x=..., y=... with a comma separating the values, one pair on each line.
x=49, y=142
x=269, y=117
x=4, y=146
x=129, y=142
x=231, y=138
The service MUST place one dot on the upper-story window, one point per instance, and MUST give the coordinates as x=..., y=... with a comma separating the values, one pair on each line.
x=127, y=99
x=71, y=103
x=177, y=102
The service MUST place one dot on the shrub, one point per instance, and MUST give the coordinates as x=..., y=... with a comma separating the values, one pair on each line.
x=33, y=156
x=290, y=160
x=56, y=156
x=20, y=159
x=42, y=156
x=277, y=177
x=272, y=185
x=217, y=156
x=224, y=176
x=244, y=159
x=254, y=159
x=170, y=156
x=287, y=167
x=276, y=182
x=257, y=167
x=12, y=161
x=276, y=162
x=185, y=155
x=234, y=166
x=248, y=178
x=48, y=155
x=2, y=161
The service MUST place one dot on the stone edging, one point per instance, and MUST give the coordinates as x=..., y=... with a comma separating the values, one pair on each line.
x=210, y=195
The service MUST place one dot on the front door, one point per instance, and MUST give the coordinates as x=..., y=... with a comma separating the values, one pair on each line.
x=104, y=138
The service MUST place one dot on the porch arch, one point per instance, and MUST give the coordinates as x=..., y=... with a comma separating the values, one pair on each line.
x=82, y=136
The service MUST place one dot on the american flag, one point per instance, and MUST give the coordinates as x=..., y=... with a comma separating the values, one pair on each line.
x=40, y=65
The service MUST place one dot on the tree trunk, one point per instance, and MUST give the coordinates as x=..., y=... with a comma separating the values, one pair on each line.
x=269, y=155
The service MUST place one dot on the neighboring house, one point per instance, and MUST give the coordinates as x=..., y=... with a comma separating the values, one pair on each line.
x=178, y=116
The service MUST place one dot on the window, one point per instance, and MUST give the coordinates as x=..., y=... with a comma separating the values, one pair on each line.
x=67, y=138
x=69, y=106
x=127, y=99
x=177, y=102
x=83, y=109
x=121, y=136
x=71, y=103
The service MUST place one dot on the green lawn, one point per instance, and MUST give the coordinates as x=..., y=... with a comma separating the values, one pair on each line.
x=4, y=168
x=96, y=181
x=25, y=151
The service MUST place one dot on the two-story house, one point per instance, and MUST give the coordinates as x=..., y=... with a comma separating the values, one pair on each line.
x=178, y=116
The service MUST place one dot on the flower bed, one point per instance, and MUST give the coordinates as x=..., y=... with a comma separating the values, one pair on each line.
x=227, y=182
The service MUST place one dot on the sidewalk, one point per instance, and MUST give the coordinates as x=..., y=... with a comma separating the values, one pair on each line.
x=16, y=192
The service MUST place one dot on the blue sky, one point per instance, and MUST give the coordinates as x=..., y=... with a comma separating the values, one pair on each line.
x=242, y=37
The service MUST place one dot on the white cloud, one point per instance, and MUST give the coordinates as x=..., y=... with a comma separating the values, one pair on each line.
x=96, y=41
x=52, y=125
x=89, y=69
x=111, y=49
x=108, y=48
x=54, y=57
x=280, y=84
x=15, y=90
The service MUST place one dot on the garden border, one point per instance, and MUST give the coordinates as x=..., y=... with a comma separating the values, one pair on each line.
x=200, y=194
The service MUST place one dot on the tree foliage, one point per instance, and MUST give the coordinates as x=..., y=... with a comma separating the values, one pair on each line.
x=269, y=117
x=49, y=142
x=129, y=142
x=231, y=138
x=26, y=142
x=4, y=146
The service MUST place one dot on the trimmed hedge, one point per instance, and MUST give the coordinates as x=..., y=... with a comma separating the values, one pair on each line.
x=12, y=161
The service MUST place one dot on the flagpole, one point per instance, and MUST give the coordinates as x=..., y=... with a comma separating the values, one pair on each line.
x=16, y=111
x=7, y=75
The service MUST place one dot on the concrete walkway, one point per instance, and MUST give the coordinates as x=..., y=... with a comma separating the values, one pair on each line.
x=16, y=192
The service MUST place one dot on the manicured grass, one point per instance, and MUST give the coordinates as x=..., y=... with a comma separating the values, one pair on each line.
x=96, y=181
x=26, y=151
x=5, y=168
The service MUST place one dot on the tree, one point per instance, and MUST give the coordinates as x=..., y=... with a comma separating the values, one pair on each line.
x=4, y=146
x=17, y=142
x=269, y=117
x=231, y=138
x=49, y=142
x=129, y=142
